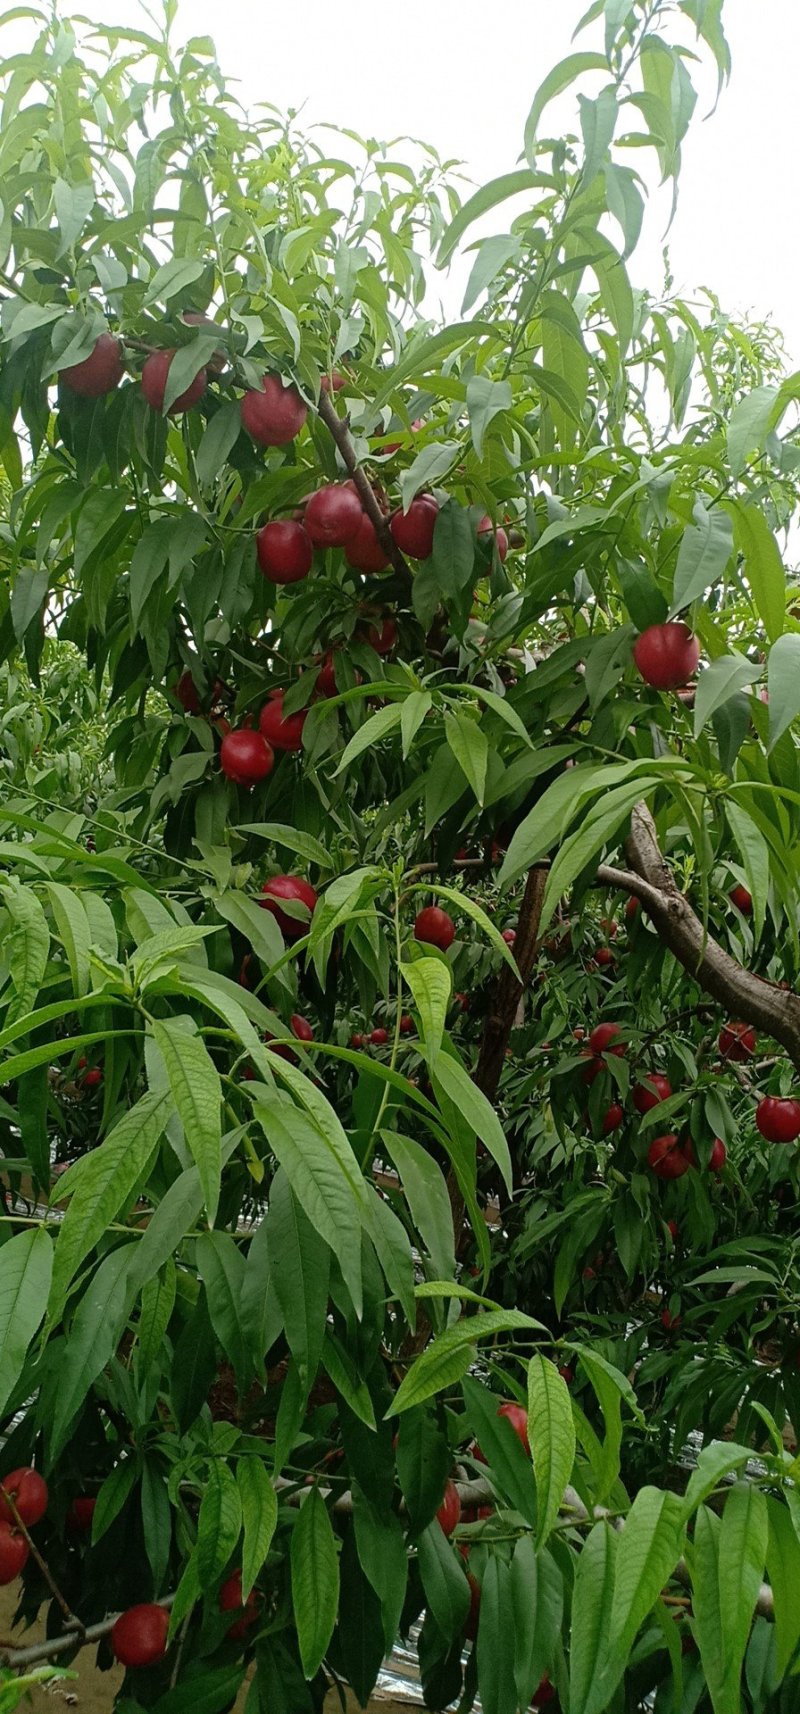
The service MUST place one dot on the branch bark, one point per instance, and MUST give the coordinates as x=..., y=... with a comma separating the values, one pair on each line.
x=746, y=997
x=339, y=428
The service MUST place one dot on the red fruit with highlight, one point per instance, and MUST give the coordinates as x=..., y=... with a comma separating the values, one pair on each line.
x=778, y=1119
x=413, y=530
x=139, y=1637
x=612, y=1118
x=99, y=373
x=289, y=889
x=92, y=1078
x=379, y=1037
x=154, y=383
x=283, y=732
x=486, y=529
x=435, y=928
x=363, y=551
x=666, y=1158
x=737, y=1042
x=332, y=383
x=509, y=935
x=406, y=1024
x=383, y=640
x=742, y=899
x=13, y=1553
x=81, y=1514
x=274, y=414
x=667, y=655
x=28, y=1490
x=649, y=1094
x=604, y=957
x=231, y=1598
x=245, y=757
x=449, y=1513
x=333, y=515
x=517, y=1415
x=607, y=1038
x=285, y=553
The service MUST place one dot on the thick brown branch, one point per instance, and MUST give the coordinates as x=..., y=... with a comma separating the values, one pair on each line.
x=746, y=997
x=340, y=430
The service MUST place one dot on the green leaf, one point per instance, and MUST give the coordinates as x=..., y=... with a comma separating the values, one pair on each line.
x=706, y=547
x=511, y=1468
x=783, y=679
x=555, y=82
x=450, y=1354
x=452, y=561
x=706, y=1609
x=27, y=595
x=342, y=1371
x=446, y=1588
x=719, y=681
x=26, y=946
x=496, y=1683
x=292, y=838
x=448, y=1074
x=171, y=278
x=428, y=1201
x=185, y=365
x=763, y=565
x=491, y=256
x=783, y=1568
x=648, y=1551
x=100, y=1183
x=218, y=441
x=428, y=468
x=742, y=1555
x=315, y=1581
x=26, y=1266
x=378, y=726
x=537, y=1600
x=591, y=1619
x=197, y=1093
x=221, y=1267
x=156, y=1306
x=299, y=1272
x=260, y=1514
x=598, y=124
x=383, y=1553
x=414, y=710
x=430, y=982
x=74, y=932
x=325, y=1177
x=601, y=825
x=551, y=1433
x=486, y=400
x=219, y=1523
x=755, y=857
x=73, y=205
x=488, y=197
x=750, y=423
x=93, y=1338
x=470, y=747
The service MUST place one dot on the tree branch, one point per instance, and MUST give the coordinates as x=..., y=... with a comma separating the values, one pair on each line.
x=340, y=429
x=745, y=996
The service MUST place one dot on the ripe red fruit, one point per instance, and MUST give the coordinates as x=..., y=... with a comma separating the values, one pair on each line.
x=667, y=655
x=486, y=528
x=92, y=1078
x=666, y=1157
x=285, y=554
x=471, y=1622
x=567, y=1374
x=363, y=551
x=406, y=1024
x=737, y=1042
x=545, y=1693
x=604, y=956
x=333, y=515
x=326, y=677
x=379, y=1037
x=187, y=693
x=518, y=1417
x=300, y=1027
x=655, y=1089
x=778, y=1120
x=718, y=1155
x=99, y=373
x=612, y=1118
x=413, y=530
x=294, y=890
x=81, y=1514
x=669, y=1322
x=332, y=383
x=231, y=1598
x=383, y=640
x=274, y=414
x=449, y=1513
x=283, y=732
x=28, y=1490
x=245, y=757
x=139, y=1636
x=14, y=1551
x=607, y=1038
x=435, y=927
x=154, y=382
x=509, y=935
x=357, y=1040
x=631, y=907
x=743, y=900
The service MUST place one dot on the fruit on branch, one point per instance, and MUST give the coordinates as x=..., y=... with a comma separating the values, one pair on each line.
x=99, y=373
x=363, y=551
x=273, y=414
x=666, y=1158
x=487, y=531
x=607, y=1038
x=737, y=1042
x=778, y=1119
x=383, y=640
x=187, y=694
x=612, y=1118
x=406, y=1024
x=509, y=935
x=245, y=757
x=379, y=1037
x=332, y=383
x=333, y=515
x=92, y=1078
x=604, y=956
x=742, y=899
x=544, y=1694
x=433, y=926
x=81, y=1514
x=669, y=1322
x=231, y=1599
x=413, y=530
x=139, y=1636
x=14, y=1551
x=667, y=655
x=655, y=1089
x=631, y=909
x=357, y=1040
x=283, y=732
x=29, y=1493
x=289, y=889
x=154, y=382
x=716, y=1159
x=517, y=1415
x=284, y=550
x=449, y=1513
x=593, y=1066
x=301, y=1030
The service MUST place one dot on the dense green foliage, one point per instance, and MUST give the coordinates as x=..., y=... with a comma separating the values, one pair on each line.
x=275, y=1300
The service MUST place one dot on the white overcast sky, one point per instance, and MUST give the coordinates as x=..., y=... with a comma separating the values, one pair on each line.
x=461, y=74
